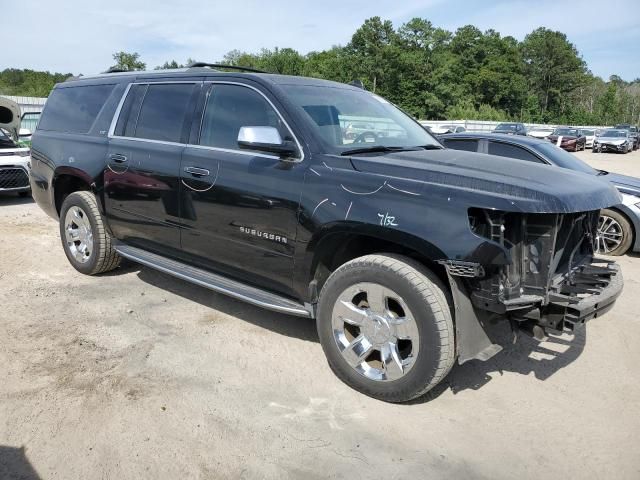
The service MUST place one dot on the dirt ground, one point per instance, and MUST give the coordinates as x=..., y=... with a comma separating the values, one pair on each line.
x=137, y=375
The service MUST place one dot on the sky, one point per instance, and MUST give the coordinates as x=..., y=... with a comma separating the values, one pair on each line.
x=80, y=36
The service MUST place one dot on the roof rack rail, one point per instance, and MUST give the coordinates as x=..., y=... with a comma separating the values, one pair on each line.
x=115, y=70
x=230, y=67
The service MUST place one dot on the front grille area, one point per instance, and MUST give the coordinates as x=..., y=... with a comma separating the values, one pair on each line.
x=544, y=250
x=13, y=177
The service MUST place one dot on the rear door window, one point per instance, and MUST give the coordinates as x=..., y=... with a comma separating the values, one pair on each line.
x=163, y=112
x=512, y=151
x=458, y=144
x=74, y=109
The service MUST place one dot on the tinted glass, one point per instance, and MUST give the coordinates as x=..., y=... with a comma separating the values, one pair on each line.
x=336, y=115
x=74, y=109
x=230, y=107
x=561, y=158
x=511, y=127
x=126, y=125
x=164, y=111
x=614, y=133
x=571, y=132
x=466, y=145
x=512, y=151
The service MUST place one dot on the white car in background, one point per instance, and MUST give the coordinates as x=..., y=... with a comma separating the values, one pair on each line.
x=591, y=135
x=14, y=158
x=443, y=129
x=540, y=132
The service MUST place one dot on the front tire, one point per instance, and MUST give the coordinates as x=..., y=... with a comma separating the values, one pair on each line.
x=615, y=233
x=86, y=242
x=386, y=327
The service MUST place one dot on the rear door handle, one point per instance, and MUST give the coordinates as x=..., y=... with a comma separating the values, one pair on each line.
x=197, y=172
x=118, y=158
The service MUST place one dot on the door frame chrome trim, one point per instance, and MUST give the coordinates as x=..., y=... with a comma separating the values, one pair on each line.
x=116, y=116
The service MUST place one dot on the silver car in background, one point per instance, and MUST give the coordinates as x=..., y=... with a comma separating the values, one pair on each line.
x=613, y=140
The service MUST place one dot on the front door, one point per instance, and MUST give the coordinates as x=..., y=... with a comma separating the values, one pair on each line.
x=239, y=208
x=142, y=177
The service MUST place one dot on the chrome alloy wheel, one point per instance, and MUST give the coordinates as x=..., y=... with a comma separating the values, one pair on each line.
x=78, y=233
x=375, y=331
x=609, y=235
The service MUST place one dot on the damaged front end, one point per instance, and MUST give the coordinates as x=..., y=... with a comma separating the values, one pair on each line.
x=551, y=280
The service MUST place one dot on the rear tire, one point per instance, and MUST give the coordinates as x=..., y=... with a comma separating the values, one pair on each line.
x=24, y=194
x=86, y=242
x=374, y=302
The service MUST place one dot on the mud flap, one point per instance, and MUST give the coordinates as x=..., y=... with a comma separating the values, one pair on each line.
x=472, y=342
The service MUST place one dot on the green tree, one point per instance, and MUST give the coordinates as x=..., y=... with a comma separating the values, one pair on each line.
x=553, y=67
x=128, y=61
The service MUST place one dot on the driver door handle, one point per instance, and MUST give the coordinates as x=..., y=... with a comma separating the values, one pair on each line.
x=197, y=172
x=118, y=158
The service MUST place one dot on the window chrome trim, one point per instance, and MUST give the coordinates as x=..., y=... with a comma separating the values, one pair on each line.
x=116, y=115
x=118, y=111
x=247, y=152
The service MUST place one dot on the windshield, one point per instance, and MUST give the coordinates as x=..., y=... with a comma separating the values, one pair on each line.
x=614, y=133
x=563, y=159
x=506, y=126
x=566, y=131
x=344, y=119
x=6, y=140
x=589, y=133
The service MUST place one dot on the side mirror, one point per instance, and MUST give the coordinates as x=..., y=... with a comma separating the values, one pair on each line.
x=265, y=139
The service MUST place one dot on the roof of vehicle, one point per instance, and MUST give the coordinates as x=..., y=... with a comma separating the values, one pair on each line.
x=520, y=139
x=272, y=78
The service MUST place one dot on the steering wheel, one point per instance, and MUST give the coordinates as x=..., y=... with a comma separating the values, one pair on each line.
x=362, y=137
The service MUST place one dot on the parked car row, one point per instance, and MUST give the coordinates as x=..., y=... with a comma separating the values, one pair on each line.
x=568, y=138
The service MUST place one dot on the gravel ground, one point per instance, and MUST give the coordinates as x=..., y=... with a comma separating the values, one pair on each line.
x=135, y=374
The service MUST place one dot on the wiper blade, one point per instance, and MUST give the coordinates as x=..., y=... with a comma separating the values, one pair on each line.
x=377, y=149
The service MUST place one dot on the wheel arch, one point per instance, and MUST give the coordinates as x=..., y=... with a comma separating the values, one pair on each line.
x=335, y=245
x=67, y=180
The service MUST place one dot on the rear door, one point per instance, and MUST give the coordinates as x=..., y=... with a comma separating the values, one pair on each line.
x=142, y=178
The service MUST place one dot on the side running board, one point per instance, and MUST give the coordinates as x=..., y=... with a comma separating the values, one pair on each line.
x=214, y=282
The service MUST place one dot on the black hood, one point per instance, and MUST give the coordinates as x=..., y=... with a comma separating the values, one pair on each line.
x=490, y=181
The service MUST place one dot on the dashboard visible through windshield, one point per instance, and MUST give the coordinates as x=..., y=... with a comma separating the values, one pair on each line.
x=346, y=119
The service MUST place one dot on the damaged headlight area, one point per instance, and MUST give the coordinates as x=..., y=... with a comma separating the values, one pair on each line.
x=552, y=280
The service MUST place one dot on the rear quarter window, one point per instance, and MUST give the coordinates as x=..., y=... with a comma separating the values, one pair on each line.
x=466, y=145
x=512, y=151
x=74, y=109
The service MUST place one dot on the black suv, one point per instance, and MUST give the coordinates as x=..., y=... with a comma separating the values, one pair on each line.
x=246, y=183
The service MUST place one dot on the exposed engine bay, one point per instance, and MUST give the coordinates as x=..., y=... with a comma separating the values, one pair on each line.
x=553, y=279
